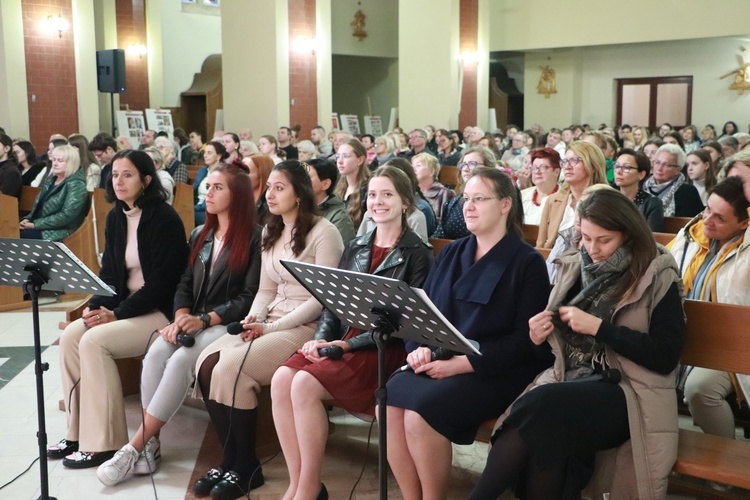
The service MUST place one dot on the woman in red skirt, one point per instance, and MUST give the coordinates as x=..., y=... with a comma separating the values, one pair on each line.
x=300, y=386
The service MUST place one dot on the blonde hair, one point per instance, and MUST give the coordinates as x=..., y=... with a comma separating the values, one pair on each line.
x=429, y=161
x=593, y=161
x=363, y=174
x=71, y=158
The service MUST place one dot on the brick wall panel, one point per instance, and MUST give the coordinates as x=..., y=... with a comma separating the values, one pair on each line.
x=303, y=81
x=469, y=24
x=131, y=30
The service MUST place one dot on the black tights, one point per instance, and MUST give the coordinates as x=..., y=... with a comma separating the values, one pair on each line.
x=509, y=460
x=236, y=428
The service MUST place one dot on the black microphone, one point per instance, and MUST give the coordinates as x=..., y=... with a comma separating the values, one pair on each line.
x=186, y=339
x=441, y=353
x=611, y=376
x=332, y=352
x=235, y=328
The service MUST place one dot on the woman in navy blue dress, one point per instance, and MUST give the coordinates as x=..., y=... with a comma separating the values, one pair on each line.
x=487, y=285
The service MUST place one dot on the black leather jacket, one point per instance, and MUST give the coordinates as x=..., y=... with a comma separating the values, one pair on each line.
x=410, y=262
x=228, y=294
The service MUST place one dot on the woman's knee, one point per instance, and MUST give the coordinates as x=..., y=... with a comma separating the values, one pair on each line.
x=414, y=424
x=281, y=383
x=306, y=388
x=707, y=387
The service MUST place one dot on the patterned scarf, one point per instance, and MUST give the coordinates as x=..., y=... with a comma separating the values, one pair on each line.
x=583, y=352
x=665, y=192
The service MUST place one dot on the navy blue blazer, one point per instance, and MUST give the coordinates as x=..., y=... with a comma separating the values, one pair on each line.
x=491, y=300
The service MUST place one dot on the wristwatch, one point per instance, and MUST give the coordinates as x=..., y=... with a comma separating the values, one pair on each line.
x=206, y=319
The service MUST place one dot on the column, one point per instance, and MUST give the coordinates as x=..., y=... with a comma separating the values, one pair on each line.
x=85, y=68
x=428, y=71
x=14, y=107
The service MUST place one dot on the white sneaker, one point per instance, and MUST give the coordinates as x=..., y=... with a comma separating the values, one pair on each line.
x=116, y=468
x=149, y=460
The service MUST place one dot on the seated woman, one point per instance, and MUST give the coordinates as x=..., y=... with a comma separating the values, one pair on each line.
x=145, y=255
x=631, y=169
x=323, y=175
x=269, y=146
x=452, y=225
x=427, y=168
x=712, y=251
x=640, y=136
x=260, y=166
x=384, y=151
x=174, y=167
x=59, y=208
x=445, y=401
x=216, y=289
x=27, y=162
x=351, y=160
x=615, y=316
x=667, y=183
x=300, y=386
x=701, y=173
x=584, y=165
x=213, y=154
x=167, y=182
x=447, y=149
x=10, y=176
x=545, y=170
x=717, y=156
x=513, y=156
x=282, y=318
x=92, y=171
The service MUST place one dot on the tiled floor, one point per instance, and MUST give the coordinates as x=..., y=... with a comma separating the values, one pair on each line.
x=187, y=435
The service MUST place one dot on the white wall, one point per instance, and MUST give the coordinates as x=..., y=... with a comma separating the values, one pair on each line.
x=179, y=42
x=576, y=23
x=705, y=60
x=381, y=25
x=14, y=107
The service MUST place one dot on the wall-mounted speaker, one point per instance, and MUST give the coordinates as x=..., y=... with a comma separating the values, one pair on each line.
x=110, y=70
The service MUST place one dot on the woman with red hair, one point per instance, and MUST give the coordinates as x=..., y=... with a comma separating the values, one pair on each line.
x=545, y=170
x=217, y=288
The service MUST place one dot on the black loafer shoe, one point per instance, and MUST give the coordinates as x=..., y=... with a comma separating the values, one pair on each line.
x=203, y=486
x=323, y=495
x=62, y=449
x=232, y=486
x=85, y=459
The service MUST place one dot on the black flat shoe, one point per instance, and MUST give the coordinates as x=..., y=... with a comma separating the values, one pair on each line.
x=85, y=459
x=202, y=486
x=232, y=486
x=62, y=449
x=323, y=495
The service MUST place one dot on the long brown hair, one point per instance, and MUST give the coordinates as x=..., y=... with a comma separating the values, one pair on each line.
x=363, y=174
x=307, y=211
x=613, y=211
x=241, y=217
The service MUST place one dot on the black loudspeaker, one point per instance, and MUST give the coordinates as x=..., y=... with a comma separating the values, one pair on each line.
x=110, y=70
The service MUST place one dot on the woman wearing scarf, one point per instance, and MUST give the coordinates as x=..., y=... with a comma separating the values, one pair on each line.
x=614, y=325
x=714, y=260
x=680, y=199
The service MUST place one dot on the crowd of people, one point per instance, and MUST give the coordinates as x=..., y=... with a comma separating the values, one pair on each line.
x=607, y=301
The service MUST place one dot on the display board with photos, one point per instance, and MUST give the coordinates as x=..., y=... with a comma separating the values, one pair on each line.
x=132, y=125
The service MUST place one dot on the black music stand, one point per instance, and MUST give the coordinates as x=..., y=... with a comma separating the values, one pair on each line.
x=36, y=265
x=385, y=307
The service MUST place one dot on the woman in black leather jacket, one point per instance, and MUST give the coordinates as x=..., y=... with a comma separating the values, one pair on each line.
x=217, y=288
x=300, y=386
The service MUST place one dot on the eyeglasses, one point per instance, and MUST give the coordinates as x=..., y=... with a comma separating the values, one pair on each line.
x=477, y=199
x=345, y=156
x=626, y=169
x=518, y=139
x=539, y=168
x=470, y=165
x=664, y=164
x=571, y=161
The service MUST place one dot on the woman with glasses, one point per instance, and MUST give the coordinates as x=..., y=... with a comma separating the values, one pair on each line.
x=679, y=198
x=384, y=151
x=488, y=286
x=631, y=169
x=351, y=159
x=584, y=165
x=452, y=225
x=513, y=156
x=545, y=170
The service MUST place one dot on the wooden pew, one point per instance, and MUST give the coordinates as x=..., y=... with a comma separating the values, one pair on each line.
x=448, y=176
x=26, y=201
x=193, y=172
x=530, y=232
x=101, y=209
x=81, y=243
x=438, y=244
x=11, y=297
x=674, y=224
x=718, y=338
x=183, y=204
x=664, y=238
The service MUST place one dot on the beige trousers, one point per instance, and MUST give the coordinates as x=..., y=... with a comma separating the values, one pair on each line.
x=91, y=382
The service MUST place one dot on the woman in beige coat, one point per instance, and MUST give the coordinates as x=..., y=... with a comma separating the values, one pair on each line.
x=616, y=327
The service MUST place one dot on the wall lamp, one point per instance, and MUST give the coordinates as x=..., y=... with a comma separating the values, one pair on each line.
x=139, y=50
x=58, y=24
x=306, y=44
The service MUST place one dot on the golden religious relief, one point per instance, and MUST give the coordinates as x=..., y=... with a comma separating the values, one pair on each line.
x=546, y=83
x=359, y=25
x=741, y=76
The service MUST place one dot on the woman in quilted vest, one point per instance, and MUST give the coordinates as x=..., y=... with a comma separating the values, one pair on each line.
x=616, y=327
